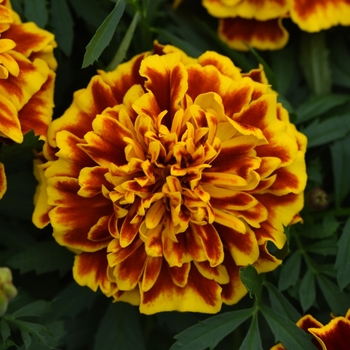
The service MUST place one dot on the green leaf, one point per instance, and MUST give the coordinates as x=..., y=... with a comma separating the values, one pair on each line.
x=316, y=106
x=211, y=331
x=340, y=151
x=30, y=141
x=251, y=279
x=340, y=56
x=342, y=264
x=103, y=35
x=290, y=271
x=320, y=133
x=123, y=319
x=62, y=23
x=71, y=301
x=252, y=340
x=36, y=11
x=286, y=331
x=314, y=60
x=307, y=290
x=324, y=247
x=27, y=339
x=4, y=330
x=7, y=344
x=43, y=257
x=37, y=308
x=124, y=45
x=338, y=301
x=281, y=304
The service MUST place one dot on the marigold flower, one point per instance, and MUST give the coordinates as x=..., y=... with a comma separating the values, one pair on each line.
x=259, y=22
x=170, y=173
x=7, y=290
x=333, y=336
x=26, y=79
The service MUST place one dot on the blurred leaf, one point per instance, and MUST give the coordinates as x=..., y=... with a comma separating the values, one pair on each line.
x=211, y=331
x=36, y=11
x=126, y=334
x=290, y=270
x=4, y=330
x=286, y=331
x=320, y=133
x=314, y=171
x=30, y=141
x=340, y=56
x=43, y=257
x=342, y=264
x=7, y=344
x=63, y=25
x=324, y=247
x=252, y=340
x=91, y=11
x=281, y=304
x=268, y=71
x=37, y=308
x=71, y=301
x=340, y=151
x=314, y=61
x=338, y=301
x=307, y=290
x=103, y=35
x=124, y=45
x=315, y=106
x=26, y=338
x=251, y=279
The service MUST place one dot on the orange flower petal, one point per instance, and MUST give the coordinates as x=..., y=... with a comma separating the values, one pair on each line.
x=313, y=16
x=263, y=35
x=90, y=269
x=9, y=122
x=151, y=272
x=199, y=294
x=3, y=181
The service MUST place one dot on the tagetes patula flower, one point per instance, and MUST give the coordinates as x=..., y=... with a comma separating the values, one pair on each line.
x=170, y=173
x=26, y=79
x=259, y=22
x=333, y=336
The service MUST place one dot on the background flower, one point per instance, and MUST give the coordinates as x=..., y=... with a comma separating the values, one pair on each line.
x=26, y=79
x=259, y=23
x=166, y=175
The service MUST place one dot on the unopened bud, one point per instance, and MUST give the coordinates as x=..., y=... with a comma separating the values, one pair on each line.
x=318, y=199
x=7, y=289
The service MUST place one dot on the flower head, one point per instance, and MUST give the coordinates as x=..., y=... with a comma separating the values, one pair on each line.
x=26, y=79
x=259, y=22
x=7, y=290
x=334, y=335
x=168, y=174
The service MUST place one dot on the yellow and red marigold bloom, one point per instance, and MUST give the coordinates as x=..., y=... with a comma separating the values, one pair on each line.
x=333, y=336
x=168, y=174
x=259, y=22
x=26, y=79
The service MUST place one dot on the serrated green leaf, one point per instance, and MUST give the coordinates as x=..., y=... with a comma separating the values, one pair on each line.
x=252, y=340
x=43, y=257
x=338, y=301
x=342, y=264
x=62, y=23
x=324, y=247
x=251, y=279
x=36, y=11
x=71, y=301
x=126, y=335
x=37, y=308
x=320, y=133
x=314, y=60
x=30, y=141
x=26, y=338
x=124, y=45
x=286, y=331
x=290, y=271
x=211, y=331
x=307, y=290
x=316, y=106
x=4, y=330
x=281, y=304
x=103, y=35
x=340, y=151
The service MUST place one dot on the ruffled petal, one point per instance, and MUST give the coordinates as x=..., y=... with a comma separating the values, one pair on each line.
x=3, y=181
